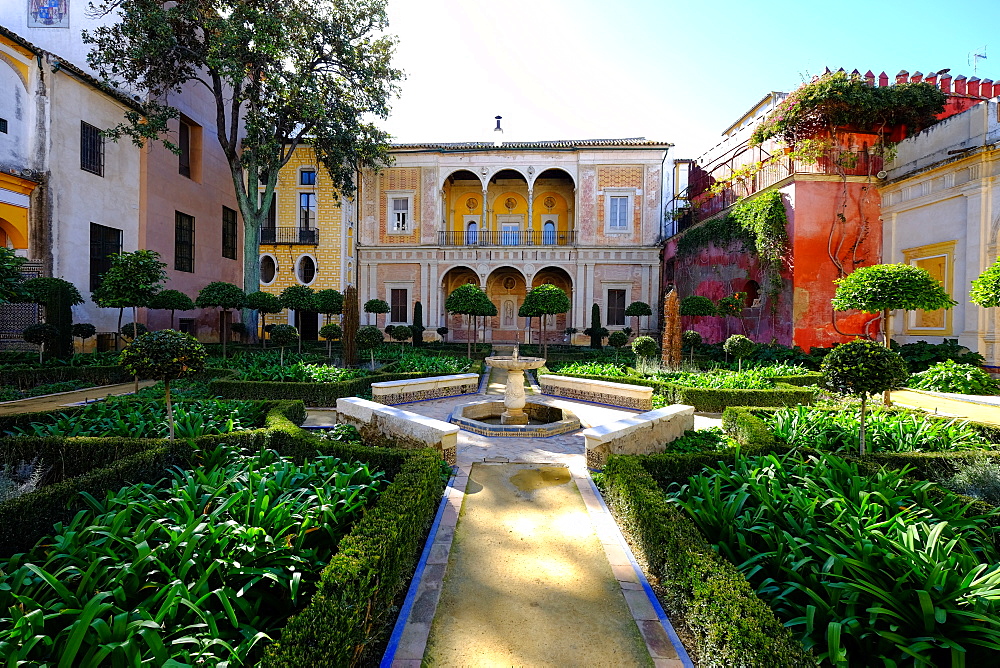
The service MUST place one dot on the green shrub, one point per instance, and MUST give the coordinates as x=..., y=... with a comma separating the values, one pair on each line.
x=696, y=306
x=920, y=355
x=949, y=376
x=443, y=365
x=864, y=567
x=729, y=624
x=978, y=478
x=739, y=347
x=313, y=394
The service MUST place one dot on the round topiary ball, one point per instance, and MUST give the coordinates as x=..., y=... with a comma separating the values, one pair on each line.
x=862, y=367
x=163, y=355
x=645, y=347
x=40, y=333
x=696, y=306
x=691, y=338
x=331, y=331
x=133, y=330
x=83, y=330
x=401, y=332
x=738, y=346
x=284, y=335
x=618, y=339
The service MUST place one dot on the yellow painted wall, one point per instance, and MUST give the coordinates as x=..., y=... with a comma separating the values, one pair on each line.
x=329, y=253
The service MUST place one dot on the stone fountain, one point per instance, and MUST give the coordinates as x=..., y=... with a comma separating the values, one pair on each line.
x=515, y=416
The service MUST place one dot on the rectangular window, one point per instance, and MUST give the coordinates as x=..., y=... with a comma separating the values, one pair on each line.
x=183, y=242
x=618, y=212
x=228, y=233
x=397, y=305
x=184, y=143
x=186, y=325
x=3, y=125
x=104, y=242
x=307, y=210
x=616, y=308
x=91, y=149
x=400, y=214
x=307, y=177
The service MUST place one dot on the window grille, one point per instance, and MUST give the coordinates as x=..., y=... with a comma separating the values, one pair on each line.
x=183, y=242
x=228, y=233
x=104, y=242
x=91, y=149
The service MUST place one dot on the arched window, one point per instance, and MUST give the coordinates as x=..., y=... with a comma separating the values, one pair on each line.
x=549, y=233
x=752, y=288
x=471, y=234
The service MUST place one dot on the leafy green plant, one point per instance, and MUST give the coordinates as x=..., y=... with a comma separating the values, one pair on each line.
x=697, y=306
x=711, y=439
x=377, y=307
x=173, y=301
x=83, y=330
x=369, y=338
x=21, y=478
x=732, y=305
x=691, y=339
x=11, y=278
x=401, y=333
x=225, y=296
x=860, y=368
x=617, y=340
x=418, y=324
x=948, y=376
x=132, y=330
x=41, y=334
x=541, y=301
x=471, y=301
x=57, y=296
x=637, y=310
x=645, y=347
x=445, y=365
x=920, y=355
x=865, y=568
x=203, y=569
x=885, y=431
x=591, y=369
x=284, y=335
x=978, y=478
x=132, y=281
x=595, y=331
x=985, y=289
x=263, y=303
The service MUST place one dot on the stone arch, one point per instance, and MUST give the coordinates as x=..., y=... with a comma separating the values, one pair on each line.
x=453, y=175
x=554, y=172
x=452, y=278
x=560, y=278
x=506, y=287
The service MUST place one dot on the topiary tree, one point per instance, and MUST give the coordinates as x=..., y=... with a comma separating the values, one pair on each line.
x=133, y=330
x=645, y=347
x=369, y=338
x=986, y=287
x=860, y=368
x=351, y=316
x=263, y=303
x=83, y=330
x=541, y=301
x=240, y=329
x=57, y=296
x=219, y=294
x=328, y=302
x=298, y=298
x=883, y=288
x=331, y=332
x=739, y=347
x=164, y=355
x=41, y=334
x=595, y=331
x=698, y=306
x=692, y=340
x=283, y=335
x=636, y=310
x=171, y=300
x=443, y=333
x=376, y=306
x=417, y=327
x=401, y=333
x=467, y=300
x=617, y=340
x=388, y=330
x=131, y=281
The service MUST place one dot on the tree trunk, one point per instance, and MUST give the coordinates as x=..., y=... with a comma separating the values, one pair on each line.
x=170, y=410
x=171, y=318
x=300, y=338
x=118, y=334
x=886, y=339
x=864, y=399
x=224, y=331
x=468, y=339
x=282, y=358
x=545, y=342
x=263, y=334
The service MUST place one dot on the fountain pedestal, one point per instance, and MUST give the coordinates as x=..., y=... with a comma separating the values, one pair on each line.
x=514, y=399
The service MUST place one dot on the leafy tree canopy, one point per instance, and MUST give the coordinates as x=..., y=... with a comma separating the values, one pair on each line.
x=220, y=294
x=376, y=306
x=637, y=309
x=618, y=339
x=284, y=335
x=164, y=355
x=401, y=332
x=11, y=278
x=887, y=287
x=264, y=302
x=696, y=305
x=47, y=291
x=83, y=330
x=331, y=332
x=329, y=302
x=645, y=347
x=282, y=74
x=40, y=333
x=986, y=288
x=544, y=300
x=298, y=298
x=369, y=337
x=132, y=280
x=469, y=299
x=171, y=300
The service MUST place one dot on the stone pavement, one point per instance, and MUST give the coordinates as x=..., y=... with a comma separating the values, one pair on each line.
x=980, y=409
x=50, y=402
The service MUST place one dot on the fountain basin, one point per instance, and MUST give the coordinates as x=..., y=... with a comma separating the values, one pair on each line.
x=511, y=363
x=483, y=417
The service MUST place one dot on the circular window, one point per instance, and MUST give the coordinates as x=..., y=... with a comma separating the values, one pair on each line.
x=306, y=271
x=268, y=269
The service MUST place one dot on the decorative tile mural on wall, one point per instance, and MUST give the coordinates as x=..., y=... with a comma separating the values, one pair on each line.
x=48, y=13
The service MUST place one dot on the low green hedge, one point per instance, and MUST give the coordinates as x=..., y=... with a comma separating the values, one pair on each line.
x=712, y=400
x=25, y=379
x=731, y=625
x=801, y=380
x=312, y=394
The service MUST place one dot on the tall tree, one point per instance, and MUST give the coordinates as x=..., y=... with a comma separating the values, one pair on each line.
x=298, y=298
x=467, y=300
x=376, y=306
x=329, y=302
x=281, y=74
x=417, y=328
x=541, y=301
x=11, y=278
x=57, y=296
x=171, y=300
x=637, y=309
x=131, y=281
x=219, y=294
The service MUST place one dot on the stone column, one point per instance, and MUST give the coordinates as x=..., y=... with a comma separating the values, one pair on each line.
x=531, y=202
x=485, y=215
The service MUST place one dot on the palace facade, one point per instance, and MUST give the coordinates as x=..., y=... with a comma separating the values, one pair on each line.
x=583, y=215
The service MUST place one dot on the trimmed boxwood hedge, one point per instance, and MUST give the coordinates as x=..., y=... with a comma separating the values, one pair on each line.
x=712, y=400
x=731, y=625
x=351, y=615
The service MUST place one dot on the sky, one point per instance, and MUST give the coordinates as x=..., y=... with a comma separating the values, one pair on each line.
x=678, y=72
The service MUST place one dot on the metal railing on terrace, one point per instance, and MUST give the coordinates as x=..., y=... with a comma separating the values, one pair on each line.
x=289, y=235
x=507, y=238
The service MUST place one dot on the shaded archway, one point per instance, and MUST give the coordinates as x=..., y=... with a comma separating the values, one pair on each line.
x=506, y=288
x=457, y=324
x=555, y=325
x=462, y=203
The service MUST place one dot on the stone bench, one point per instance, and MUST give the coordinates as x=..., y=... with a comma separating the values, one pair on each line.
x=394, y=392
x=386, y=426
x=643, y=434
x=637, y=397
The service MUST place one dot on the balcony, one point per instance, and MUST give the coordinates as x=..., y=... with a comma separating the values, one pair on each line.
x=518, y=238
x=289, y=235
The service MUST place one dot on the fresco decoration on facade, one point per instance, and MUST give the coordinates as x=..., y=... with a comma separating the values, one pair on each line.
x=48, y=13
